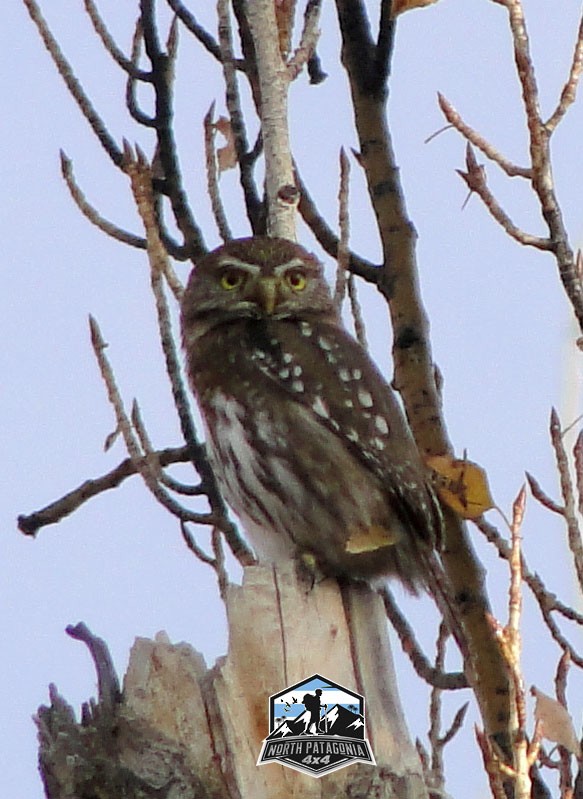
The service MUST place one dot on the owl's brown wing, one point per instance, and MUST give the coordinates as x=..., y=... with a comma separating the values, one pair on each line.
x=325, y=370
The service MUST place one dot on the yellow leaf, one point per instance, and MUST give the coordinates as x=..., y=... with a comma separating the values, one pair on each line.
x=557, y=724
x=399, y=6
x=461, y=485
x=367, y=539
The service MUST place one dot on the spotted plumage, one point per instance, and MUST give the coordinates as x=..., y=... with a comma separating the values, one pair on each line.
x=307, y=440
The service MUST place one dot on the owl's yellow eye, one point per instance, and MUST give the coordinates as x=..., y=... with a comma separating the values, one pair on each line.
x=232, y=279
x=296, y=279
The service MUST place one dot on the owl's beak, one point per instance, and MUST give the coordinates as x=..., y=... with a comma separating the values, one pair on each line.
x=267, y=293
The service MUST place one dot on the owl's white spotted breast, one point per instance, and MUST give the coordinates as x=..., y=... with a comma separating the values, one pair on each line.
x=242, y=474
x=290, y=494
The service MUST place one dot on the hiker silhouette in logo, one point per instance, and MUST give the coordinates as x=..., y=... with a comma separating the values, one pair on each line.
x=312, y=703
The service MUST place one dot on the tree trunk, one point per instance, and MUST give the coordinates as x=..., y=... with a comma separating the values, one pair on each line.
x=179, y=730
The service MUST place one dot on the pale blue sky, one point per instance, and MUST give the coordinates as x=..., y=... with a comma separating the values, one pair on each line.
x=500, y=325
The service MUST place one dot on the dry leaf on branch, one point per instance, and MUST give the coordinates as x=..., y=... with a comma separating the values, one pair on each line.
x=557, y=724
x=284, y=14
x=226, y=155
x=461, y=485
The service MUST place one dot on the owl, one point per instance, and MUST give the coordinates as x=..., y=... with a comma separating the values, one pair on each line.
x=306, y=438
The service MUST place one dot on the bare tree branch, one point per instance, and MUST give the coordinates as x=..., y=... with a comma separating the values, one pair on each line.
x=128, y=65
x=212, y=177
x=109, y=691
x=570, y=88
x=574, y=532
x=547, y=601
x=326, y=237
x=281, y=193
x=132, y=444
x=73, y=85
x=92, y=214
x=308, y=40
x=203, y=36
x=542, y=180
x=367, y=66
x=342, y=256
x=427, y=672
x=475, y=179
x=61, y=508
x=543, y=498
x=152, y=456
x=172, y=180
x=473, y=137
x=135, y=111
x=253, y=204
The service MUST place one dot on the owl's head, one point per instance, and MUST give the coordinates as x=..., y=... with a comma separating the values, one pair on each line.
x=257, y=278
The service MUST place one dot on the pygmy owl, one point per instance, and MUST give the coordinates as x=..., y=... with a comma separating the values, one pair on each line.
x=307, y=440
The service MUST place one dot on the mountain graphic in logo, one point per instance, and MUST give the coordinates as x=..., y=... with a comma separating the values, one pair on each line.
x=316, y=726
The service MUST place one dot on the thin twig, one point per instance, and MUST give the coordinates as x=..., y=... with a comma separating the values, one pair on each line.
x=132, y=443
x=108, y=687
x=92, y=214
x=565, y=771
x=172, y=44
x=510, y=643
x=344, y=278
x=131, y=101
x=162, y=79
x=128, y=65
x=217, y=562
x=435, y=708
x=449, y=682
x=152, y=458
x=140, y=174
x=73, y=500
x=190, y=542
x=475, y=179
x=141, y=177
x=73, y=85
x=543, y=498
x=491, y=765
x=253, y=204
x=539, y=145
x=456, y=724
x=204, y=37
x=356, y=310
x=326, y=237
x=570, y=88
x=578, y=459
x=567, y=492
x=308, y=39
x=220, y=567
x=515, y=590
x=212, y=177
x=344, y=228
x=547, y=601
x=475, y=138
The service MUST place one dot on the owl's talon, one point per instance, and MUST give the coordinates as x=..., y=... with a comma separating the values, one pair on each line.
x=308, y=569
